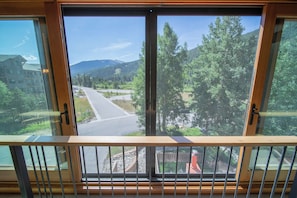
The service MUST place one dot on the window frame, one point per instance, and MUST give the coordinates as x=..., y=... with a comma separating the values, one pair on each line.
x=151, y=14
x=261, y=73
x=52, y=13
x=41, y=35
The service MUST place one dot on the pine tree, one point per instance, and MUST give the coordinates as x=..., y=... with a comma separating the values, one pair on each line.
x=4, y=95
x=170, y=59
x=222, y=76
x=138, y=95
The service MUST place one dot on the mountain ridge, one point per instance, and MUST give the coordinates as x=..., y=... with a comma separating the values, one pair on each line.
x=109, y=69
x=85, y=66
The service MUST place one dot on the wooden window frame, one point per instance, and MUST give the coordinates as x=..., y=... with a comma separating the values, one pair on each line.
x=261, y=67
x=51, y=10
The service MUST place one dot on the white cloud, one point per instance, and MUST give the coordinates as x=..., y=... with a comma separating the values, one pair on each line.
x=116, y=46
x=23, y=42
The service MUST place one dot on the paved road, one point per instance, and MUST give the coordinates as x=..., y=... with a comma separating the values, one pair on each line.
x=103, y=108
x=111, y=121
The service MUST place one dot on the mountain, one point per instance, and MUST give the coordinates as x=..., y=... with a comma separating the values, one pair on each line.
x=124, y=71
x=119, y=70
x=87, y=66
x=106, y=69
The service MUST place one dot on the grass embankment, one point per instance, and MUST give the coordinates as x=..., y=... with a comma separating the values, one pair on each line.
x=83, y=109
x=124, y=104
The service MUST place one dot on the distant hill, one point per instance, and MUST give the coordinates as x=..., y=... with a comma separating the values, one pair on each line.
x=124, y=71
x=87, y=66
x=115, y=69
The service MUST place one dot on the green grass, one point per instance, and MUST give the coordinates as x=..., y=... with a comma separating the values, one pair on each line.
x=174, y=131
x=170, y=167
x=83, y=109
x=110, y=94
x=30, y=128
x=136, y=133
x=191, y=132
x=128, y=85
x=125, y=104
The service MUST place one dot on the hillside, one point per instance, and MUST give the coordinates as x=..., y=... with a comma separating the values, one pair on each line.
x=87, y=66
x=119, y=70
x=124, y=71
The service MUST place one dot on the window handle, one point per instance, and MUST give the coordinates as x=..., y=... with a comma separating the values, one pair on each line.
x=254, y=111
x=65, y=113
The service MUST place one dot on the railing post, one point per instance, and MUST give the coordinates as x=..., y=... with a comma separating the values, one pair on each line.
x=21, y=171
x=293, y=191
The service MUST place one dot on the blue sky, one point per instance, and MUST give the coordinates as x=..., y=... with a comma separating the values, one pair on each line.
x=95, y=38
x=121, y=38
x=17, y=37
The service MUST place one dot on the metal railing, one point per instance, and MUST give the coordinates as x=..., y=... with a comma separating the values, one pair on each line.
x=226, y=166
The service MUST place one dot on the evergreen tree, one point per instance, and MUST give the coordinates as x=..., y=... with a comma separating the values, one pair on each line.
x=170, y=61
x=138, y=95
x=222, y=77
x=4, y=95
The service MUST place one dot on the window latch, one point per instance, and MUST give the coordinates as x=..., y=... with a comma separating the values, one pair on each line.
x=66, y=114
x=254, y=111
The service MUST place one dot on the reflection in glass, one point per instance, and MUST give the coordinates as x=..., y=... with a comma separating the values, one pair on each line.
x=278, y=114
x=26, y=105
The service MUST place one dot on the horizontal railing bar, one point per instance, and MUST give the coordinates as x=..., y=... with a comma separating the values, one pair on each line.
x=148, y=140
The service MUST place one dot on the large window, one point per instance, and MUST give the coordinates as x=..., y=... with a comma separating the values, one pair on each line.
x=161, y=72
x=166, y=72
x=155, y=71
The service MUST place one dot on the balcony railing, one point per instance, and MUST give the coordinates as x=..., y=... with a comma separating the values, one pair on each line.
x=101, y=165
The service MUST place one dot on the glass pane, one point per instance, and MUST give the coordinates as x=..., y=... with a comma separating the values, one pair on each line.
x=26, y=105
x=278, y=114
x=273, y=155
x=106, y=57
x=197, y=160
x=204, y=73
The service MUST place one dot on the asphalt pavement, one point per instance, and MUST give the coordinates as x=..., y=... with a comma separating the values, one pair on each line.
x=103, y=108
x=111, y=120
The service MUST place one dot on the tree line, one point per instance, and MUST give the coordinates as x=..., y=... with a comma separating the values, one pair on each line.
x=14, y=102
x=218, y=80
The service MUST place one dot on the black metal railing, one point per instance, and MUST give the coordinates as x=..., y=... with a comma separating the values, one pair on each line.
x=49, y=166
